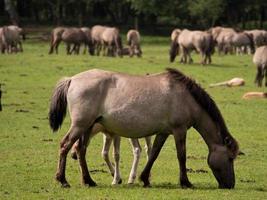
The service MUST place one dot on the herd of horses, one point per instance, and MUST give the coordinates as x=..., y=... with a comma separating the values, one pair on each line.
x=118, y=105
x=108, y=40
x=98, y=38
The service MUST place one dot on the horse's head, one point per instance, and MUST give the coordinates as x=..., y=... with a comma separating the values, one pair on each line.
x=221, y=162
x=174, y=50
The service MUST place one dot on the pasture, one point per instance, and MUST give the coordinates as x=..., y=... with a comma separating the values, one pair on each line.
x=29, y=149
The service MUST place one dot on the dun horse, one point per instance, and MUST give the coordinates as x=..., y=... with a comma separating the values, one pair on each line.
x=96, y=34
x=133, y=39
x=260, y=59
x=111, y=40
x=170, y=103
x=187, y=41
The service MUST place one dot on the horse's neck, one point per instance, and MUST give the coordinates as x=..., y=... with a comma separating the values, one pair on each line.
x=208, y=130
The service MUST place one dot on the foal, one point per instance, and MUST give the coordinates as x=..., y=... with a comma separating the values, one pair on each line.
x=107, y=140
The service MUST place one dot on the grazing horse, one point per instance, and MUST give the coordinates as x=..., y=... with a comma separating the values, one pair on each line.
x=96, y=34
x=187, y=41
x=107, y=140
x=76, y=36
x=241, y=42
x=220, y=35
x=112, y=41
x=260, y=60
x=259, y=37
x=10, y=37
x=133, y=39
x=170, y=103
x=56, y=38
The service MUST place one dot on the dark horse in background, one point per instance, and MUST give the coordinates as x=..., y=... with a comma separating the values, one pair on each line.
x=170, y=103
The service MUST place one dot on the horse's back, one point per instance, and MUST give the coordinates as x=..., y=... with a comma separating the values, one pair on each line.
x=134, y=36
x=109, y=34
x=97, y=31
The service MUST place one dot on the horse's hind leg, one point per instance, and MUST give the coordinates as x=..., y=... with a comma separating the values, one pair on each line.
x=259, y=76
x=157, y=145
x=81, y=152
x=116, y=155
x=105, y=152
x=73, y=134
x=56, y=44
x=136, y=153
x=180, y=141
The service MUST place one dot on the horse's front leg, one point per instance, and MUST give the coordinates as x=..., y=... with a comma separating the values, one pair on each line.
x=157, y=145
x=136, y=153
x=81, y=152
x=116, y=155
x=180, y=142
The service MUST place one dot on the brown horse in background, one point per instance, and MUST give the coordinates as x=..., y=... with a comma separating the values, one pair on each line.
x=170, y=103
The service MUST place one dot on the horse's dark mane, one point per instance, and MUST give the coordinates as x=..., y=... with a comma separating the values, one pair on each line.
x=206, y=102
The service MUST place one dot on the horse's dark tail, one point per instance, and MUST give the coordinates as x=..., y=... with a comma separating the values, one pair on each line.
x=58, y=105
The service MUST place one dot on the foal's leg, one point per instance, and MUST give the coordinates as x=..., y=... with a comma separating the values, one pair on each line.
x=148, y=146
x=66, y=143
x=265, y=69
x=136, y=153
x=180, y=141
x=157, y=145
x=105, y=152
x=116, y=156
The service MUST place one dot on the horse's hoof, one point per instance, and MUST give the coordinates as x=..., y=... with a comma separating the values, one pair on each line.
x=62, y=181
x=117, y=182
x=74, y=155
x=186, y=184
x=65, y=185
x=147, y=185
x=91, y=184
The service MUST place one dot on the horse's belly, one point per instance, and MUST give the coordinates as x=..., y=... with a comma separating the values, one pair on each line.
x=131, y=125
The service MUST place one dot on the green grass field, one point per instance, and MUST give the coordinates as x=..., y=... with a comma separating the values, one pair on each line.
x=29, y=149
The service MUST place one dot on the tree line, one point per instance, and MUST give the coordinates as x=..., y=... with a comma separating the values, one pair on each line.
x=201, y=14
